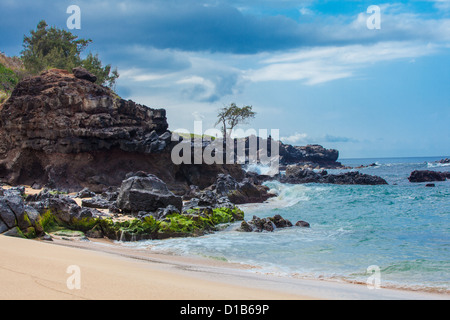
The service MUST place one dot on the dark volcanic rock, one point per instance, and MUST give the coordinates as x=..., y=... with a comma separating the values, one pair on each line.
x=269, y=224
x=428, y=176
x=82, y=73
x=146, y=192
x=314, y=154
x=241, y=192
x=18, y=215
x=62, y=207
x=207, y=199
x=302, y=224
x=97, y=202
x=66, y=133
x=57, y=112
x=297, y=175
x=85, y=193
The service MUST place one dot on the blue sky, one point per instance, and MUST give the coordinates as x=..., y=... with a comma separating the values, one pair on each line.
x=311, y=69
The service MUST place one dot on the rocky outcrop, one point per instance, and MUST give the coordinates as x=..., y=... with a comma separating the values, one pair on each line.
x=145, y=192
x=63, y=131
x=298, y=175
x=428, y=176
x=57, y=112
x=312, y=155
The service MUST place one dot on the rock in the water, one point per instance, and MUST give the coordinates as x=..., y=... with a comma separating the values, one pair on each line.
x=146, y=192
x=298, y=174
x=241, y=192
x=313, y=154
x=428, y=176
x=268, y=224
x=302, y=224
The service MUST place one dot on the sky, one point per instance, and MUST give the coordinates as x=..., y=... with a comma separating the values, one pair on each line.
x=312, y=69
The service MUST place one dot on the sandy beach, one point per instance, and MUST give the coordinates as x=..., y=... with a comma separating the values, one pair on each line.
x=39, y=270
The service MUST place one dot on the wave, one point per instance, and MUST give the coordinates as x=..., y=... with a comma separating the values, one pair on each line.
x=288, y=195
x=261, y=169
x=437, y=164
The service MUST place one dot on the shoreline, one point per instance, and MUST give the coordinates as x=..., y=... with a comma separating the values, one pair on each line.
x=34, y=269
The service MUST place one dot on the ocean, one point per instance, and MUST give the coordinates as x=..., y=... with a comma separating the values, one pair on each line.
x=403, y=229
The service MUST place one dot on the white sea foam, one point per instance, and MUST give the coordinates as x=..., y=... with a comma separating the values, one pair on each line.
x=261, y=169
x=437, y=164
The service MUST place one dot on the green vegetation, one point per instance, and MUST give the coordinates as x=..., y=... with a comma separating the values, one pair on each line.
x=8, y=80
x=230, y=117
x=47, y=48
x=104, y=75
x=196, y=222
x=11, y=72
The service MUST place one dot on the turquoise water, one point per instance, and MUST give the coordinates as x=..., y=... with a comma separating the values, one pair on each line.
x=403, y=228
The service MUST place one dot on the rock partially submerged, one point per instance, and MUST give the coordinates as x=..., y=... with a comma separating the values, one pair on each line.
x=298, y=175
x=269, y=224
x=428, y=176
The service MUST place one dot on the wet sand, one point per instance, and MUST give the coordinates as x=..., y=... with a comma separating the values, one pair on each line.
x=31, y=269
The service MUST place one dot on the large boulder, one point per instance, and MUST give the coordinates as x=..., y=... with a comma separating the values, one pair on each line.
x=12, y=211
x=145, y=192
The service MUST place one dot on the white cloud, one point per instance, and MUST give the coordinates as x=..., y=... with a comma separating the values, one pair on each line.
x=305, y=11
x=295, y=138
x=442, y=4
x=324, y=64
x=139, y=75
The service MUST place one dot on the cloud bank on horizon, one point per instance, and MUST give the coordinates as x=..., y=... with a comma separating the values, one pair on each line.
x=311, y=68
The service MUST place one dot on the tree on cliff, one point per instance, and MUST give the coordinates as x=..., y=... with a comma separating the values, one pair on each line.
x=232, y=115
x=55, y=48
